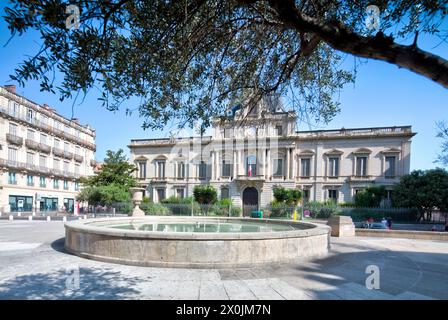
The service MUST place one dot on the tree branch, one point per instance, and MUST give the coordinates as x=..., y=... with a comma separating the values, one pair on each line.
x=378, y=47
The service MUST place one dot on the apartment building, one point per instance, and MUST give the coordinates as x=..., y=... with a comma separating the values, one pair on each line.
x=42, y=155
x=250, y=152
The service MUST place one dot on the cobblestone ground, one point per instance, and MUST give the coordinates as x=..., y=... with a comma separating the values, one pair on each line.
x=33, y=265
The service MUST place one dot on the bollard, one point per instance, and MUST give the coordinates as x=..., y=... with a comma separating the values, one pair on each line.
x=30, y=218
x=85, y=217
x=64, y=219
x=34, y=213
x=48, y=218
x=11, y=217
x=19, y=214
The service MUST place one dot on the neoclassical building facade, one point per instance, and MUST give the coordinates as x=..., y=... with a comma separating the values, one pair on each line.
x=250, y=152
x=42, y=155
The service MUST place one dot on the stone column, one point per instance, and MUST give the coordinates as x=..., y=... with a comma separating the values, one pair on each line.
x=268, y=164
x=293, y=164
x=287, y=163
x=235, y=163
x=218, y=164
x=263, y=162
x=213, y=166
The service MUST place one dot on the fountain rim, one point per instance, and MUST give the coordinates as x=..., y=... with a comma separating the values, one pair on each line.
x=85, y=226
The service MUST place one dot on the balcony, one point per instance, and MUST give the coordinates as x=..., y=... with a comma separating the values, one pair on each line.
x=58, y=152
x=17, y=116
x=14, y=139
x=64, y=154
x=78, y=158
x=44, y=148
x=31, y=144
x=357, y=178
x=259, y=178
x=68, y=155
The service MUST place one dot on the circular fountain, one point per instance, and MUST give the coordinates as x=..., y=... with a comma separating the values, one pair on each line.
x=196, y=242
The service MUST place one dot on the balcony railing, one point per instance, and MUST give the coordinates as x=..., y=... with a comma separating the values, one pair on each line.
x=361, y=178
x=78, y=158
x=14, y=139
x=68, y=155
x=44, y=148
x=17, y=165
x=33, y=145
x=58, y=152
x=47, y=128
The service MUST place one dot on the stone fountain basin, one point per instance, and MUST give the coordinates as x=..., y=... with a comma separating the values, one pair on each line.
x=195, y=249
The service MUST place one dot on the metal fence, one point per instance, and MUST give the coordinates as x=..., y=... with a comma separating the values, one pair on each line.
x=311, y=211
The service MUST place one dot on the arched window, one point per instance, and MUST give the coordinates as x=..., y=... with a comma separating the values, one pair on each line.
x=251, y=166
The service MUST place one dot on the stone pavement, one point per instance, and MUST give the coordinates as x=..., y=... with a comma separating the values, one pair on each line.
x=34, y=266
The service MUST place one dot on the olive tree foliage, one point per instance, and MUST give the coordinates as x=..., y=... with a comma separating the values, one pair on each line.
x=442, y=158
x=188, y=60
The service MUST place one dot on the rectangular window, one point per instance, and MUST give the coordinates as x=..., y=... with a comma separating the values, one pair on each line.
x=180, y=193
x=66, y=147
x=226, y=168
x=279, y=130
x=160, y=194
x=77, y=166
x=43, y=139
x=30, y=135
x=361, y=166
x=12, y=178
x=42, y=161
x=42, y=183
x=306, y=195
x=77, y=150
x=334, y=167
x=56, y=183
x=202, y=170
x=30, y=158
x=389, y=167
x=12, y=154
x=161, y=169
x=66, y=164
x=13, y=129
x=181, y=170
x=225, y=194
x=56, y=143
x=333, y=195
x=278, y=167
x=142, y=170
x=30, y=180
x=29, y=115
x=65, y=185
x=227, y=133
x=305, y=167
x=76, y=186
x=56, y=165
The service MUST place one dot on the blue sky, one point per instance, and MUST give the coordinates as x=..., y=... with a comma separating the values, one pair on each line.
x=383, y=95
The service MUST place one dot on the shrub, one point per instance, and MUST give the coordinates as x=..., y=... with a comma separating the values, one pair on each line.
x=322, y=210
x=155, y=209
x=287, y=196
x=278, y=209
x=205, y=194
x=370, y=197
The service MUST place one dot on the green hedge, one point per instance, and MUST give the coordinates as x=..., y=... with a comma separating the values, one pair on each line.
x=397, y=214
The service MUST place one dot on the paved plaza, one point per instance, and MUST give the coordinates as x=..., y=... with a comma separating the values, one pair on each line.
x=33, y=265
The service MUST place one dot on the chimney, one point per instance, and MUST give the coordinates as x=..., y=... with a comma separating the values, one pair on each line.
x=46, y=106
x=10, y=87
x=75, y=120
